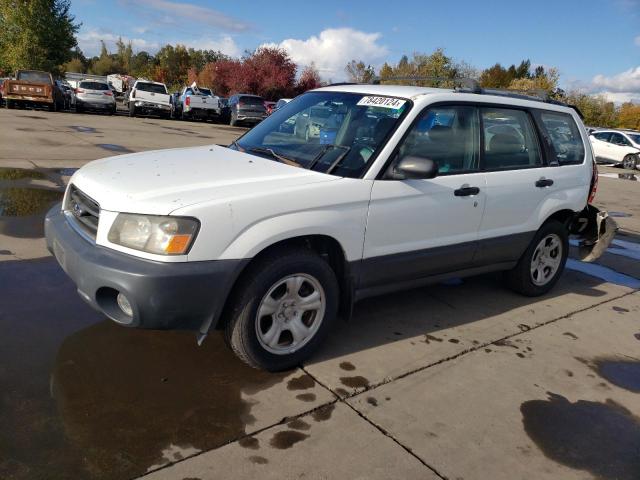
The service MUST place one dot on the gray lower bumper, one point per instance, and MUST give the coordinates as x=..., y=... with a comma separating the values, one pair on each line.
x=185, y=295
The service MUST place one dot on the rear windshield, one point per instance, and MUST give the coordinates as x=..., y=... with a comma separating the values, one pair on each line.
x=205, y=91
x=151, y=87
x=94, y=86
x=40, y=77
x=252, y=100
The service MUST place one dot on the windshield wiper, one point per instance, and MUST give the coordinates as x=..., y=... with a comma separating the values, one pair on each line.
x=274, y=155
x=324, y=150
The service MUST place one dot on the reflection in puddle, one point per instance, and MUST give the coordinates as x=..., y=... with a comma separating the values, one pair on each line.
x=82, y=129
x=114, y=148
x=601, y=438
x=85, y=398
x=22, y=210
x=621, y=176
x=20, y=173
x=604, y=273
x=623, y=373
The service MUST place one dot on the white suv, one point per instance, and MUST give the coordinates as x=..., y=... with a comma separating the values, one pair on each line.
x=620, y=147
x=274, y=236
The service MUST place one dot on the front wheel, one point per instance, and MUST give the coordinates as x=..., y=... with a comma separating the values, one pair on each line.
x=629, y=162
x=282, y=311
x=543, y=262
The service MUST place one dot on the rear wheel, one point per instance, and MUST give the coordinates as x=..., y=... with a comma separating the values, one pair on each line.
x=543, y=262
x=10, y=105
x=282, y=311
x=132, y=109
x=629, y=162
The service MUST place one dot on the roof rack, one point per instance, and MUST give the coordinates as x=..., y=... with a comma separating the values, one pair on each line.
x=471, y=85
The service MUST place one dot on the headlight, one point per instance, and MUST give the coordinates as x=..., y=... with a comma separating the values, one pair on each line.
x=154, y=234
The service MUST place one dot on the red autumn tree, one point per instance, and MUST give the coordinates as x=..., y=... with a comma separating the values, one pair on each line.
x=309, y=79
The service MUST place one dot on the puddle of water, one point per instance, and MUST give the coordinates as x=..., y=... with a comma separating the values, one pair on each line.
x=623, y=373
x=621, y=176
x=20, y=173
x=22, y=210
x=67, y=172
x=604, y=273
x=619, y=214
x=600, y=438
x=81, y=129
x=628, y=249
x=85, y=398
x=114, y=148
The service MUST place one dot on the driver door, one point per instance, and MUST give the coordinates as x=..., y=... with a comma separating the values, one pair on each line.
x=423, y=227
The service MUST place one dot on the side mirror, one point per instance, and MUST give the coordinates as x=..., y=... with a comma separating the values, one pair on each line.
x=414, y=167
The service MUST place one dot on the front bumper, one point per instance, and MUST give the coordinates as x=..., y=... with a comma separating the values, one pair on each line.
x=163, y=295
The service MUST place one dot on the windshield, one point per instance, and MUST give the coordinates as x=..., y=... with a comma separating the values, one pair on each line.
x=635, y=138
x=39, y=77
x=151, y=87
x=330, y=132
x=94, y=86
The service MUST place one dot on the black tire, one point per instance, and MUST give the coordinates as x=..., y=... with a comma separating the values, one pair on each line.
x=241, y=316
x=629, y=162
x=53, y=107
x=9, y=104
x=132, y=109
x=78, y=108
x=520, y=278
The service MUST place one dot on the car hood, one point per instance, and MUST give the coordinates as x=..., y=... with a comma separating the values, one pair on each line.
x=159, y=182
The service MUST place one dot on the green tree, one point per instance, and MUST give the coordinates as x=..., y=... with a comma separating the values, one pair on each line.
x=104, y=64
x=358, y=72
x=74, y=65
x=124, y=55
x=36, y=34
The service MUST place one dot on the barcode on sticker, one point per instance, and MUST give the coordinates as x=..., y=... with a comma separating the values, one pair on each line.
x=384, y=102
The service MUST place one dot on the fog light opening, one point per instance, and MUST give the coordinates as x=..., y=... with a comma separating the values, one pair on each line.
x=124, y=304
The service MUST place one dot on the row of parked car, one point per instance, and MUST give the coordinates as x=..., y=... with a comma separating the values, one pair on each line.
x=621, y=147
x=140, y=97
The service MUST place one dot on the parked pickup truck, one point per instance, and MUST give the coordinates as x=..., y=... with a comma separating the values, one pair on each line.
x=195, y=102
x=147, y=97
x=32, y=87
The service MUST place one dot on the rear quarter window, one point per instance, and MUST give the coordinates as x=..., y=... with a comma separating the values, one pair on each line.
x=563, y=137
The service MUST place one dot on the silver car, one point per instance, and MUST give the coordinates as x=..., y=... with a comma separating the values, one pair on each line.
x=93, y=95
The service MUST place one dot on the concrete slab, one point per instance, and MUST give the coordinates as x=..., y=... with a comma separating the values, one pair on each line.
x=395, y=334
x=333, y=442
x=542, y=406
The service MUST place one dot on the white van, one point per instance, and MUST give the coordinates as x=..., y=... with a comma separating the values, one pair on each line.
x=274, y=236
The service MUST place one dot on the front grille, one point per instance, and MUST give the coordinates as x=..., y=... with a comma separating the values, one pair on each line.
x=84, y=210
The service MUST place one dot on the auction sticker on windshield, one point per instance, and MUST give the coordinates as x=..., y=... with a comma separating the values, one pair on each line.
x=385, y=102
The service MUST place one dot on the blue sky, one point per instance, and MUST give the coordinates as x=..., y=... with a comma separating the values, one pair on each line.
x=595, y=44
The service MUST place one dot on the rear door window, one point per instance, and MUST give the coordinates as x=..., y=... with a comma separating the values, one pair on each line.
x=563, y=135
x=151, y=87
x=510, y=140
x=618, y=139
x=94, y=86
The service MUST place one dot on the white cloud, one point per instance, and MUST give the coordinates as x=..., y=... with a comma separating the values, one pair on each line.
x=621, y=97
x=627, y=81
x=193, y=13
x=333, y=48
x=89, y=42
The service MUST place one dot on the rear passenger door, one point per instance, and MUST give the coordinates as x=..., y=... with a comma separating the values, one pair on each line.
x=601, y=146
x=517, y=183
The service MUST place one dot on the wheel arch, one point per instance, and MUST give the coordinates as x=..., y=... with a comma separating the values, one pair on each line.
x=324, y=246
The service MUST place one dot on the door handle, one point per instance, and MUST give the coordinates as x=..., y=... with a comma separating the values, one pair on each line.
x=466, y=191
x=544, y=182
